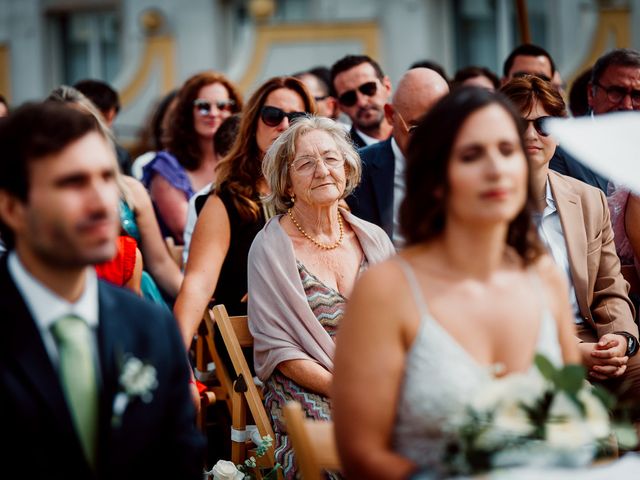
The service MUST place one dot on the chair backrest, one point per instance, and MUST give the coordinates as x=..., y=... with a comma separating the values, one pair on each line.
x=236, y=335
x=313, y=442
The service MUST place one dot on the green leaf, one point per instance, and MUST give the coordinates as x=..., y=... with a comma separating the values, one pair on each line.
x=626, y=435
x=607, y=398
x=546, y=368
x=570, y=378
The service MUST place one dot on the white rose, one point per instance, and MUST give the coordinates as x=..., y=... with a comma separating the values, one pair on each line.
x=596, y=415
x=512, y=419
x=225, y=470
x=512, y=389
x=488, y=396
x=567, y=427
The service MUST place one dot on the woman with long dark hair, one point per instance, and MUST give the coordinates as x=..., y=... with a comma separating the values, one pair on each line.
x=472, y=290
x=234, y=212
x=188, y=164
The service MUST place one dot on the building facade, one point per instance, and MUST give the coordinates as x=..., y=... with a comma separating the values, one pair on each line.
x=145, y=48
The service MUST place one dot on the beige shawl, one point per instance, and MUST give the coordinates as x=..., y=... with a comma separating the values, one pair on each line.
x=280, y=319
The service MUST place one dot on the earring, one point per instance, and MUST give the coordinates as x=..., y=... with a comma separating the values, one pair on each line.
x=293, y=199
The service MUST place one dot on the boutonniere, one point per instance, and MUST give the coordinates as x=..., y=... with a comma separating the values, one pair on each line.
x=137, y=380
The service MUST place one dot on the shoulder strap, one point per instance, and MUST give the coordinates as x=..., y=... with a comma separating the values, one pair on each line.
x=416, y=291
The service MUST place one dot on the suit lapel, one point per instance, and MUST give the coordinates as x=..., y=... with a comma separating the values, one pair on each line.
x=356, y=139
x=382, y=178
x=23, y=343
x=569, y=208
x=108, y=342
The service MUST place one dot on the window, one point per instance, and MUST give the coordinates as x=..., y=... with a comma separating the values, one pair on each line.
x=85, y=44
x=487, y=30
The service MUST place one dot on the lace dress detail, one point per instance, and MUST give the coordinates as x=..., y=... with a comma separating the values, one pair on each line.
x=432, y=396
x=617, y=201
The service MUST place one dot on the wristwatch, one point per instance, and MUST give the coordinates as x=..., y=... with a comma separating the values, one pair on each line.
x=632, y=343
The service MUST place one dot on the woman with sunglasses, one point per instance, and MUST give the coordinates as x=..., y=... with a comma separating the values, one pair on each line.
x=189, y=161
x=576, y=228
x=234, y=212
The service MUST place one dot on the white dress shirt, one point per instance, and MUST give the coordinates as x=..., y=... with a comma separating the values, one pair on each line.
x=46, y=307
x=399, y=188
x=550, y=230
x=192, y=218
x=366, y=138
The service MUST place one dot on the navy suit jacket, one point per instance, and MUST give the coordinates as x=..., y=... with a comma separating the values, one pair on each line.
x=372, y=200
x=356, y=139
x=156, y=438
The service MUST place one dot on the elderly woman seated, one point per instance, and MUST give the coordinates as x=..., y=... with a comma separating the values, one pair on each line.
x=302, y=268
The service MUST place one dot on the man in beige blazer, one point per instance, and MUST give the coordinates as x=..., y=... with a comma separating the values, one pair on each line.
x=607, y=332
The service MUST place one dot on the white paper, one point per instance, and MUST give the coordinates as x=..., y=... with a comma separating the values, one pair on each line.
x=608, y=144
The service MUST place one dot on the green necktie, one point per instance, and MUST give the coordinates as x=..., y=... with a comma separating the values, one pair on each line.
x=78, y=378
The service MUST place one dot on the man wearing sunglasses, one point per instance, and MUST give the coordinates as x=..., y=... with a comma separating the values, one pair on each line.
x=377, y=199
x=362, y=89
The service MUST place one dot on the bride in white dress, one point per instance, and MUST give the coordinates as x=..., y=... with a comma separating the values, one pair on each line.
x=473, y=289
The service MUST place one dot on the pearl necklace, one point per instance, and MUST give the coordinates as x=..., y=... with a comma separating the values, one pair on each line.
x=323, y=246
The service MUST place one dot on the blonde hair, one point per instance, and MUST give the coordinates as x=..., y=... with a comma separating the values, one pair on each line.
x=72, y=96
x=277, y=161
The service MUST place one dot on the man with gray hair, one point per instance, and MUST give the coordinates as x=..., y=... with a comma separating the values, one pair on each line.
x=378, y=197
x=615, y=82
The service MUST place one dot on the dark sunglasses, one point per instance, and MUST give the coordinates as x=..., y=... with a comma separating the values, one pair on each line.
x=349, y=98
x=204, y=106
x=538, y=124
x=272, y=116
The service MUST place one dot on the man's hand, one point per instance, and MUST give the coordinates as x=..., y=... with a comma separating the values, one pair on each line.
x=605, y=359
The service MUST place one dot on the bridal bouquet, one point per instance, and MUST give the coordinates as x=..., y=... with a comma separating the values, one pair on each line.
x=555, y=418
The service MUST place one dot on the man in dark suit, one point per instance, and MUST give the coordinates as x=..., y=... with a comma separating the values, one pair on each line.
x=381, y=190
x=132, y=413
x=362, y=89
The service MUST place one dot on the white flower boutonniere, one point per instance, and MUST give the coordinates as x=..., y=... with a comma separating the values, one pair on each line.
x=137, y=379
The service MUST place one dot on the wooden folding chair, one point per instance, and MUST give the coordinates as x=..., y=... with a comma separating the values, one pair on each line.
x=205, y=350
x=313, y=441
x=245, y=395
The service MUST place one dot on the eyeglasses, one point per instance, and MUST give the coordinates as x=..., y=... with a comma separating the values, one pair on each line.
x=538, y=124
x=349, y=98
x=616, y=94
x=204, y=107
x=272, y=116
x=308, y=165
x=409, y=128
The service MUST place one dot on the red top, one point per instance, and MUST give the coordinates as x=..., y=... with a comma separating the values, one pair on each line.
x=119, y=270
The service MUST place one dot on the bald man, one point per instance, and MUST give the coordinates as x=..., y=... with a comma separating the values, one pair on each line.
x=377, y=199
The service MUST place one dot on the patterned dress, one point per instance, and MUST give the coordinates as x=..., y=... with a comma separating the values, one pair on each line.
x=328, y=306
